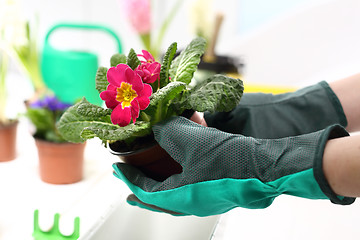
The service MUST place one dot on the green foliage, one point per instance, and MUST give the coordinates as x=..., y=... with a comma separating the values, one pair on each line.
x=101, y=82
x=117, y=58
x=218, y=93
x=165, y=66
x=184, y=66
x=44, y=121
x=117, y=134
x=132, y=59
x=3, y=94
x=160, y=100
x=85, y=120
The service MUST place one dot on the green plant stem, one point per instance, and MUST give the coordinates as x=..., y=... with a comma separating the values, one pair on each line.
x=146, y=40
x=29, y=62
x=33, y=71
x=165, y=25
x=3, y=94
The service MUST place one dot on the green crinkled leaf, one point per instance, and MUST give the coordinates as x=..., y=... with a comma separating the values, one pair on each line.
x=117, y=58
x=132, y=59
x=165, y=66
x=73, y=121
x=216, y=94
x=89, y=110
x=117, y=133
x=183, y=67
x=85, y=120
x=160, y=100
x=101, y=80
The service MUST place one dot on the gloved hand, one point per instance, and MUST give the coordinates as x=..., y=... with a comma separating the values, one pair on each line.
x=263, y=115
x=222, y=171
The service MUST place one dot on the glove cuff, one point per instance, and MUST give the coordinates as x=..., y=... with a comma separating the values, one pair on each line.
x=331, y=132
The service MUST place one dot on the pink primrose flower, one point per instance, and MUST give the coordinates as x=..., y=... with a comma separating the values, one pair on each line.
x=147, y=56
x=126, y=94
x=149, y=69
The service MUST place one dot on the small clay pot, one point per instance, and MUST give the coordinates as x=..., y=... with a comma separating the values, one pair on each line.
x=8, y=141
x=60, y=163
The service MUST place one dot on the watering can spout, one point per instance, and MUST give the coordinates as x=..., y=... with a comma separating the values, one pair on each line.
x=71, y=74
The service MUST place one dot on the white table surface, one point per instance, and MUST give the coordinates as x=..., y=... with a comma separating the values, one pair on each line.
x=99, y=201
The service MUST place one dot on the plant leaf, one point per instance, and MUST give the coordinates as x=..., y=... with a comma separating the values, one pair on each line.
x=132, y=59
x=216, y=94
x=117, y=133
x=183, y=67
x=90, y=110
x=165, y=66
x=117, y=58
x=160, y=100
x=101, y=80
x=77, y=117
x=41, y=118
x=85, y=120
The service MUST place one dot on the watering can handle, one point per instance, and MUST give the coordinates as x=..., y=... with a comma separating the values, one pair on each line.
x=85, y=26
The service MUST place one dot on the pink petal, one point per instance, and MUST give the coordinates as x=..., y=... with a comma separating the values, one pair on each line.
x=135, y=111
x=111, y=87
x=143, y=97
x=110, y=98
x=153, y=78
x=115, y=75
x=134, y=79
x=121, y=116
x=148, y=56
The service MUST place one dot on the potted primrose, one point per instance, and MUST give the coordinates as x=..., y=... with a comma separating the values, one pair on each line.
x=60, y=162
x=139, y=93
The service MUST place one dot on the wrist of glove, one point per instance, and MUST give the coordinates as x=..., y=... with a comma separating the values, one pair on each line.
x=222, y=171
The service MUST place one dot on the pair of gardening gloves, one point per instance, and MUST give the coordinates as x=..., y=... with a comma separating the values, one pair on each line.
x=267, y=146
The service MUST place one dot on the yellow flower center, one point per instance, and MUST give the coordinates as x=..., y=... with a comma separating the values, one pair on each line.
x=125, y=94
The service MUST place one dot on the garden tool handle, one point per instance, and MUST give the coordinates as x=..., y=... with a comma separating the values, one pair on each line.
x=86, y=27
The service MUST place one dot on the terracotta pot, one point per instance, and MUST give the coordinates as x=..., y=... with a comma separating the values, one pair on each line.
x=8, y=141
x=60, y=163
x=152, y=160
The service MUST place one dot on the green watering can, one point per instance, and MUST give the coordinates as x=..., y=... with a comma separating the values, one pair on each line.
x=71, y=74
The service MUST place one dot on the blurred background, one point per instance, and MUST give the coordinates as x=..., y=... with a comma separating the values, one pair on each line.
x=291, y=43
x=277, y=44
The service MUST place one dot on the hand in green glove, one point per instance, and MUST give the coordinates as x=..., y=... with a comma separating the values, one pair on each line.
x=222, y=171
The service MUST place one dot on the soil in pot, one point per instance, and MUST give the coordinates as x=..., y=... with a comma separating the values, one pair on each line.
x=60, y=163
x=8, y=141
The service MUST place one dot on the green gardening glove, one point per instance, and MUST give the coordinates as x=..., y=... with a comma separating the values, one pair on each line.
x=222, y=171
x=263, y=115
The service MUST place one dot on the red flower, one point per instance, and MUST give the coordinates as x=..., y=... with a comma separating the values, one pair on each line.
x=126, y=94
x=149, y=70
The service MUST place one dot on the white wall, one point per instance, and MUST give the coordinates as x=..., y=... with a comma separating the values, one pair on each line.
x=109, y=13
x=281, y=42
x=317, y=41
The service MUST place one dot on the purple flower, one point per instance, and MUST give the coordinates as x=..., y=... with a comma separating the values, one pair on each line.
x=51, y=103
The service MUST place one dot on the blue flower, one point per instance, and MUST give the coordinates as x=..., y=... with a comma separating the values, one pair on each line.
x=51, y=103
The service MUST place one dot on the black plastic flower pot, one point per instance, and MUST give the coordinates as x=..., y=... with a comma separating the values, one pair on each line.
x=148, y=156
x=151, y=159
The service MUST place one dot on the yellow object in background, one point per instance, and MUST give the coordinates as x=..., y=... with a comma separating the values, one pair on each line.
x=248, y=88
x=256, y=87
